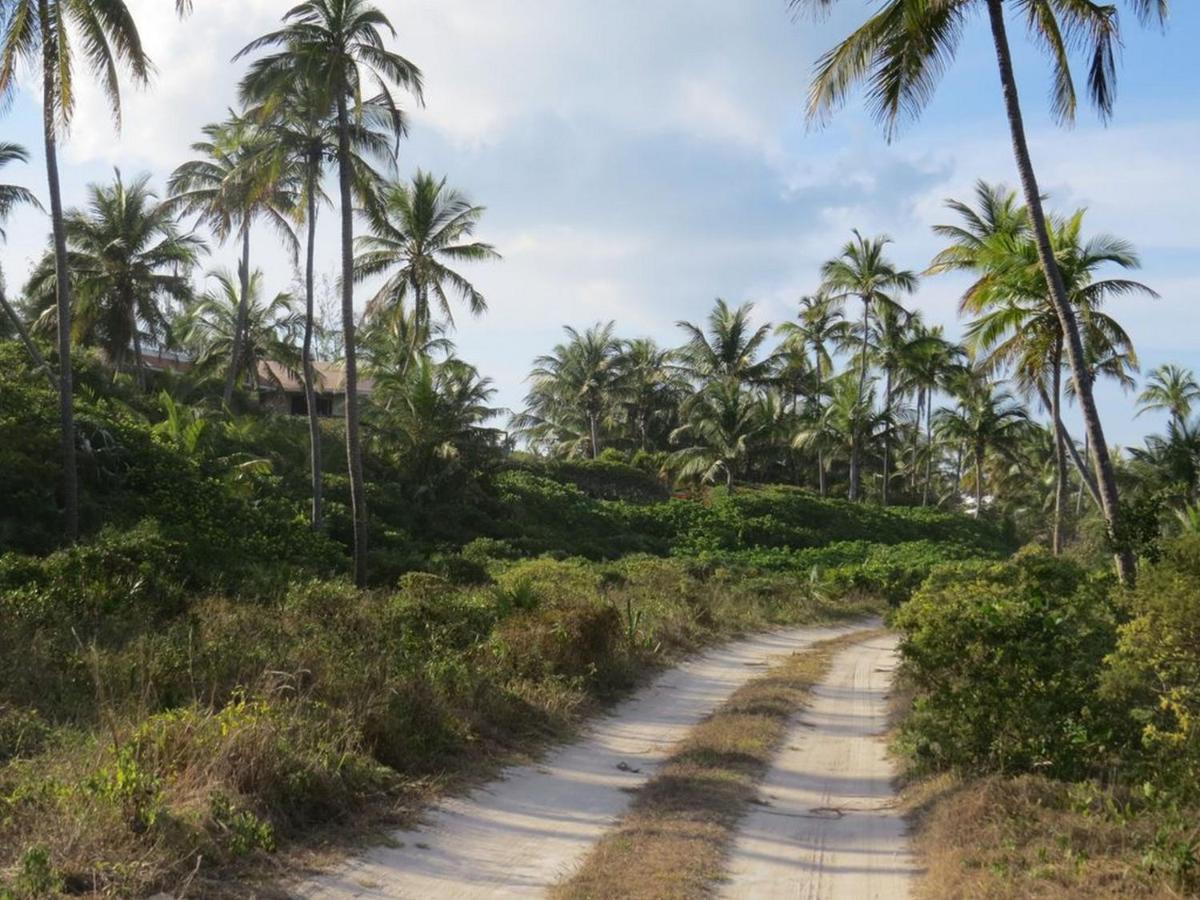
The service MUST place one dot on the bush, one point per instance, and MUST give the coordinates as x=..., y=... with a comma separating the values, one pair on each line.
x=1155, y=671
x=1005, y=661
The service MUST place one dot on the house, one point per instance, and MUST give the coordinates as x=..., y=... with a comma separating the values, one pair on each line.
x=281, y=390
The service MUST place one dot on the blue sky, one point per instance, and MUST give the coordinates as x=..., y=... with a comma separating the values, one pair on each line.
x=639, y=159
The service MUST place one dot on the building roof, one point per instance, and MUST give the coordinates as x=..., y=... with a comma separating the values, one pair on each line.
x=331, y=378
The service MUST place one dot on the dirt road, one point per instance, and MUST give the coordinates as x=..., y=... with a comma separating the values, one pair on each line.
x=829, y=828
x=517, y=836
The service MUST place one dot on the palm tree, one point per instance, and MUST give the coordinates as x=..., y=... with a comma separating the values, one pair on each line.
x=418, y=230
x=575, y=390
x=986, y=419
x=126, y=255
x=340, y=44
x=233, y=182
x=729, y=349
x=11, y=196
x=1171, y=389
x=299, y=124
x=820, y=324
x=863, y=271
x=848, y=423
x=903, y=49
x=652, y=390
x=46, y=32
x=1020, y=327
x=433, y=415
x=721, y=423
x=929, y=364
x=224, y=322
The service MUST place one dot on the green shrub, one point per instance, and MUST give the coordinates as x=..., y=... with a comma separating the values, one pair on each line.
x=1005, y=660
x=1154, y=672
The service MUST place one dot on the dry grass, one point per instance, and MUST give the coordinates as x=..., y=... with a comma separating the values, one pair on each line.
x=1033, y=837
x=673, y=841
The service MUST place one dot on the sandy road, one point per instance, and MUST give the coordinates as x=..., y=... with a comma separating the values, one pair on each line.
x=519, y=835
x=830, y=829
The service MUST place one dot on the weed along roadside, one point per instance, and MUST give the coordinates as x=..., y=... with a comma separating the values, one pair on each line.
x=675, y=840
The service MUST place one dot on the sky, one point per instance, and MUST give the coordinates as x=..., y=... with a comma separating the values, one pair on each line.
x=639, y=158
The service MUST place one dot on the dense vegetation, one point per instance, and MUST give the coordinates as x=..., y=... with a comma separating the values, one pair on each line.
x=226, y=630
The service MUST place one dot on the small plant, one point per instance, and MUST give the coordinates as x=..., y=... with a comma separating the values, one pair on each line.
x=244, y=831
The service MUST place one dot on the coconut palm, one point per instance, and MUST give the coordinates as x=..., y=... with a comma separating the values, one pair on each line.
x=904, y=48
x=299, y=125
x=652, y=390
x=1171, y=389
x=45, y=34
x=846, y=425
x=224, y=321
x=862, y=271
x=127, y=255
x=929, y=364
x=1019, y=326
x=434, y=416
x=340, y=44
x=729, y=349
x=720, y=425
x=820, y=324
x=575, y=391
x=987, y=420
x=11, y=196
x=419, y=229
x=233, y=182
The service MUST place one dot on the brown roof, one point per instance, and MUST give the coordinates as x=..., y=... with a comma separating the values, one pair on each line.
x=331, y=378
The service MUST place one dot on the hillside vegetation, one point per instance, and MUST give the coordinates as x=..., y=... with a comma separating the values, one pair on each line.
x=196, y=684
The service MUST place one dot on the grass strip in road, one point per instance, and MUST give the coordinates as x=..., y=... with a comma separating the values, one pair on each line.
x=672, y=843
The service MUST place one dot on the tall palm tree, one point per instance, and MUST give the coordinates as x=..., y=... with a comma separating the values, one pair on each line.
x=419, y=229
x=232, y=183
x=720, y=425
x=44, y=34
x=126, y=255
x=820, y=324
x=340, y=44
x=299, y=123
x=1019, y=326
x=862, y=271
x=11, y=196
x=929, y=364
x=225, y=321
x=652, y=391
x=576, y=389
x=987, y=420
x=1172, y=389
x=848, y=423
x=904, y=48
x=729, y=349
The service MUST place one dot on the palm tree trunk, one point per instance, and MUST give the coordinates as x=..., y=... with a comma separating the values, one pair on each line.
x=853, y=494
x=138, y=360
x=1060, y=451
x=887, y=436
x=66, y=396
x=928, y=451
x=822, y=485
x=1105, y=476
x=978, y=481
x=23, y=333
x=862, y=369
x=239, y=327
x=310, y=391
x=593, y=435
x=358, y=497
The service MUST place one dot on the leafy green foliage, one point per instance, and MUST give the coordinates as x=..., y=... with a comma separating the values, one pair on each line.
x=1154, y=672
x=1005, y=660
